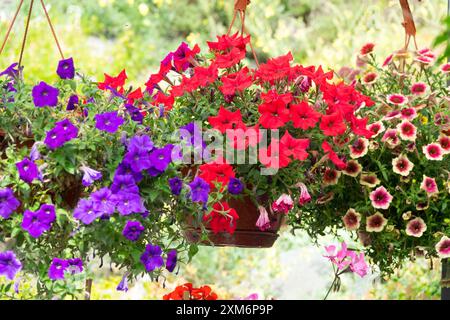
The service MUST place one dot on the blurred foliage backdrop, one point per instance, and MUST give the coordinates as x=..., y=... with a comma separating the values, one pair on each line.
x=109, y=35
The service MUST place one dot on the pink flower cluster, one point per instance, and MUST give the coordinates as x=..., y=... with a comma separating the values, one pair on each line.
x=345, y=258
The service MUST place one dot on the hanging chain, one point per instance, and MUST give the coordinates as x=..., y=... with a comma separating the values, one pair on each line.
x=25, y=33
x=11, y=25
x=52, y=29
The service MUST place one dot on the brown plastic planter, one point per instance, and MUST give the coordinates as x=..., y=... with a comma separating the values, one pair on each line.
x=246, y=235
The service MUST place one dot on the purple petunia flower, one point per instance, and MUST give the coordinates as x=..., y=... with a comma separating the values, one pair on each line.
x=45, y=95
x=133, y=230
x=123, y=284
x=109, y=121
x=85, y=211
x=9, y=264
x=63, y=132
x=199, y=190
x=47, y=214
x=125, y=169
x=129, y=203
x=235, y=186
x=125, y=184
x=176, y=184
x=153, y=172
x=134, y=113
x=66, y=69
x=103, y=201
x=171, y=261
x=143, y=142
x=8, y=203
x=151, y=258
x=36, y=222
x=34, y=153
x=75, y=265
x=73, y=101
x=69, y=130
x=90, y=175
x=162, y=157
x=28, y=170
x=137, y=158
x=11, y=71
x=57, y=269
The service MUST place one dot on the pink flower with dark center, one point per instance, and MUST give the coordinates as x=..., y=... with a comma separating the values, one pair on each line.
x=352, y=169
x=263, y=222
x=370, y=78
x=397, y=99
x=283, y=204
x=359, y=148
x=377, y=128
x=381, y=198
x=433, y=151
x=392, y=115
x=369, y=180
x=445, y=68
x=388, y=60
x=441, y=120
x=429, y=185
x=426, y=52
x=424, y=60
x=402, y=166
x=408, y=114
x=421, y=206
x=416, y=227
x=419, y=88
x=352, y=219
x=407, y=131
x=444, y=142
x=331, y=176
x=391, y=138
x=376, y=222
x=305, y=197
x=443, y=247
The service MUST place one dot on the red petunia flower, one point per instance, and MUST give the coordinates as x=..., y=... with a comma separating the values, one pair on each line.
x=271, y=157
x=226, y=120
x=340, y=164
x=275, y=69
x=204, y=75
x=242, y=138
x=367, y=48
x=229, y=59
x=303, y=116
x=135, y=95
x=333, y=125
x=115, y=83
x=216, y=172
x=359, y=127
x=188, y=292
x=296, y=148
x=237, y=81
x=274, y=114
x=272, y=95
x=162, y=99
x=226, y=42
x=222, y=218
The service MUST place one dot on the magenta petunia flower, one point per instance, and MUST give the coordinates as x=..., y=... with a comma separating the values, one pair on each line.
x=402, y=166
x=304, y=197
x=388, y=60
x=444, y=142
x=90, y=175
x=109, y=121
x=433, y=151
x=263, y=222
x=397, y=99
x=408, y=113
x=376, y=222
x=283, y=204
x=352, y=219
x=445, y=68
x=416, y=227
x=359, y=148
x=407, y=131
x=8, y=203
x=429, y=185
x=381, y=198
x=45, y=95
x=28, y=170
x=377, y=128
x=391, y=138
x=352, y=168
x=419, y=88
x=443, y=247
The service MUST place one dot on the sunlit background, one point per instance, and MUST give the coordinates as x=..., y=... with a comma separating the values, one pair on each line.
x=106, y=36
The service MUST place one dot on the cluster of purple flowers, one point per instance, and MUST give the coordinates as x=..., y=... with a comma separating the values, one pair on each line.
x=28, y=170
x=133, y=230
x=152, y=258
x=8, y=203
x=9, y=264
x=11, y=73
x=45, y=95
x=37, y=222
x=63, y=132
x=59, y=267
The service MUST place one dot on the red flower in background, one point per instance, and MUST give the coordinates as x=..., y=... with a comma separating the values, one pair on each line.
x=188, y=292
x=339, y=163
x=303, y=116
x=229, y=59
x=333, y=125
x=275, y=69
x=237, y=81
x=367, y=48
x=296, y=148
x=115, y=83
x=222, y=218
x=226, y=120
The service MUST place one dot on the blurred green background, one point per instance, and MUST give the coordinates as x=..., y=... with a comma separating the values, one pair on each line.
x=109, y=35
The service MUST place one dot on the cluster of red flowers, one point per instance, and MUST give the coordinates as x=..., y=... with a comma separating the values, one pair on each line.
x=188, y=292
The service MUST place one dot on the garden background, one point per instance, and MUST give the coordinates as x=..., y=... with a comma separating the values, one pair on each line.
x=109, y=35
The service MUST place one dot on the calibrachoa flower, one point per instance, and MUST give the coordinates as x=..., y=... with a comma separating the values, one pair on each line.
x=352, y=219
x=283, y=204
x=429, y=185
x=407, y=131
x=171, y=260
x=9, y=264
x=369, y=78
x=28, y=170
x=416, y=227
x=391, y=138
x=444, y=142
x=433, y=151
x=381, y=198
x=90, y=175
x=85, y=211
x=8, y=203
x=376, y=222
x=397, y=99
x=235, y=186
x=408, y=113
x=369, y=180
x=352, y=169
x=108, y=121
x=222, y=218
x=45, y=95
x=133, y=230
x=151, y=258
x=359, y=148
x=402, y=166
x=377, y=128
x=419, y=88
x=199, y=190
x=176, y=184
x=331, y=177
x=443, y=247
x=445, y=68
x=66, y=69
